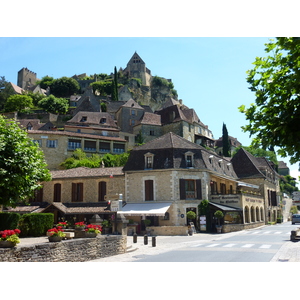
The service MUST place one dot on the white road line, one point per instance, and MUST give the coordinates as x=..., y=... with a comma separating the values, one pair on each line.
x=265, y=246
x=277, y=232
x=229, y=245
x=212, y=245
x=255, y=232
x=267, y=231
x=248, y=246
x=198, y=245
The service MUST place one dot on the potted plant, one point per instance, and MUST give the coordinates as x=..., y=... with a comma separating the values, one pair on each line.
x=219, y=215
x=55, y=234
x=79, y=226
x=191, y=215
x=106, y=225
x=92, y=230
x=63, y=225
x=9, y=238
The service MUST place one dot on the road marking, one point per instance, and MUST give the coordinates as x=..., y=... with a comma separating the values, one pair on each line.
x=267, y=231
x=265, y=246
x=198, y=245
x=248, y=246
x=212, y=245
x=229, y=245
x=277, y=232
x=255, y=232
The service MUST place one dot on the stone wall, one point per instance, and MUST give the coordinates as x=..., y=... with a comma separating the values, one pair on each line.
x=238, y=227
x=75, y=250
x=169, y=230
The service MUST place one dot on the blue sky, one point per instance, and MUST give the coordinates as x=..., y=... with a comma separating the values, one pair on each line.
x=209, y=73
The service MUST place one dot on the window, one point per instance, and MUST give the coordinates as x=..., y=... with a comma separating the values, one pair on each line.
x=51, y=143
x=149, y=161
x=151, y=132
x=74, y=144
x=190, y=189
x=149, y=195
x=29, y=126
x=38, y=196
x=189, y=159
x=39, y=142
x=214, y=187
x=57, y=192
x=101, y=190
x=133, y=112
x=83, y=119
x=77, y=192
x=118, y=148
x=223, y=188
x=132, y=122
x=104, y=147
x=102, y=120
x=90, y=146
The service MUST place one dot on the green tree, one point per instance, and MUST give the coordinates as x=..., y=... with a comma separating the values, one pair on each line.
x=18, y=103
x=225, y=141
x=114, y=94
x=6, y=91
x=45, y=82
x=288, y=184
x=102, y=87
x=274, y=118
x=22, y=164
x=64, y=87
x=54, y=105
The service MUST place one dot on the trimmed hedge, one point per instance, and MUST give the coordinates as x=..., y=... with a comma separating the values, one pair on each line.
x=9, y=220
x=35, y=224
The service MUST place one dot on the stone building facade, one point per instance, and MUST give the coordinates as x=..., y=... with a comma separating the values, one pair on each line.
x=26, y=78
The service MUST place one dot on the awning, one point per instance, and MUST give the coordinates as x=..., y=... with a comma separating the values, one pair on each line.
x=145, y=209
x=241, y=183
x=224, y=207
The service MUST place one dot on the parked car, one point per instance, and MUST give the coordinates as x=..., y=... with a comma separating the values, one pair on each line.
x=295, y=218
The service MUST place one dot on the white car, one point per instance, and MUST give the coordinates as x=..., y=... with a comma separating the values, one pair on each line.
x=295, y=218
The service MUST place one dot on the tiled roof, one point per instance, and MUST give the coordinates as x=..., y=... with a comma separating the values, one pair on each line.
x=80, y=208
x=150, y=119
x=86, y=172
x=17, y=89
x=132, y=104
x=169, y=152
x=76, y=134
x=93, y=118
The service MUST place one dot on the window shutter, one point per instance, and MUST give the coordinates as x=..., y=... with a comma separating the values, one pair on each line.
x=80, y=192
x=182, y=189
x=101, y=190
x=199, y=189
x=74, y=192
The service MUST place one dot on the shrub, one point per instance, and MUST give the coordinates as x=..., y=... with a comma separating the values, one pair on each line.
x=36, y=224
x=9, y=220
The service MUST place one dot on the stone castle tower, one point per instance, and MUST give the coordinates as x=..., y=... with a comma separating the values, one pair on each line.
x=136, y=68
x=26, y=78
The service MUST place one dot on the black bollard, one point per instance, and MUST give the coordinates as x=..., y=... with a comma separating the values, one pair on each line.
x=135, y=238
x=145, y=239
x=154, y=241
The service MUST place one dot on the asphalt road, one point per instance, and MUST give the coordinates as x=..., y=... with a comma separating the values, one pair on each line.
x=258, y=245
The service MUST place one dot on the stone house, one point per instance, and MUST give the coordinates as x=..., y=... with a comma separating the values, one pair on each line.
x=169, y=176
x=60, y=145
x=260, y=172
x=233, y=142
x=82, y=193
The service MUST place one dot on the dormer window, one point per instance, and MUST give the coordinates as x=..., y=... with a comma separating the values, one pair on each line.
x=149, y=158
x=103, y=121
x=189, y=159
x=29, y=126
x=83, y=119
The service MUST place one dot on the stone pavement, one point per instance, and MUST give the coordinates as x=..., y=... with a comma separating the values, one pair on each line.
x=289, y=251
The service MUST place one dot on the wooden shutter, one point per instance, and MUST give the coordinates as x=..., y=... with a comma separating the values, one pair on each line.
x=182, y=189
x=149, y=190
x=199, y=189
x=101, y=190
x=74, y=192
x=57, y=192
x=80, y=192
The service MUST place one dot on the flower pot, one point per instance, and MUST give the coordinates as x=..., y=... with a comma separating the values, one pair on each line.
x=219, y=229
x=79, y=228
x=90, y=234
x=54, y=239
x=7, y=244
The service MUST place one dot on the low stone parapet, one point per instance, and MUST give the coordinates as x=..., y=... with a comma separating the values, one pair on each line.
x=168, y=230
x=74, y=250
x=237, y=227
